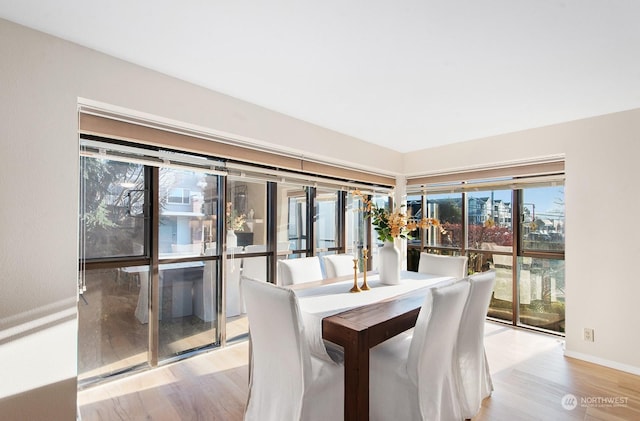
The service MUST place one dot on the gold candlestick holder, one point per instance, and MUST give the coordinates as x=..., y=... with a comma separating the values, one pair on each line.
x=365, y=257
x=355, y=288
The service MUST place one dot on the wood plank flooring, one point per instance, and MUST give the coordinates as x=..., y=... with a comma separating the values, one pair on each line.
x=530, y=373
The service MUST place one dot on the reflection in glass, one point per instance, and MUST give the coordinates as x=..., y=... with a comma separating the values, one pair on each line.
x=501, y=305
x=541, y=290
x=112, y=208
x=235, y=267
x=383, y=202
x=112, y=337
x=187, y=213
x=246, y=212
x=296, y=212
x=355, y=225
x=187, y=307
x=326, y=219
x=446, y=208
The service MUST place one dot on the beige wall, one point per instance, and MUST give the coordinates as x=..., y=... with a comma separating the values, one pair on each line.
x=41, y=80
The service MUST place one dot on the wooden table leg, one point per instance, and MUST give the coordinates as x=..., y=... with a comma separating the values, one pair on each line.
x=356, y=377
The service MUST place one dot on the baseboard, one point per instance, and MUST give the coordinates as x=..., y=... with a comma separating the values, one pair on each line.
x=603, y=362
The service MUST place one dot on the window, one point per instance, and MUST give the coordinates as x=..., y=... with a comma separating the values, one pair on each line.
x=518, y=232
x=152, y=221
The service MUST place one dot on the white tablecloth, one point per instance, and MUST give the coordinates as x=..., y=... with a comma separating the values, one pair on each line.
x=318, y=302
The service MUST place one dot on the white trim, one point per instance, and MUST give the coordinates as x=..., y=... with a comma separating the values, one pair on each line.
x=102, y=109
x=143, y=156
x=603, y=362
x=509, y=184
x=491, y=166
x=287, y=177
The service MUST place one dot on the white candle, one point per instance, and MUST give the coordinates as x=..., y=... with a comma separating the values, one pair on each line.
x=364, y=237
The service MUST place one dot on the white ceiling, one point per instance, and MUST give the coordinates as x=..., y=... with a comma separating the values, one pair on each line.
x=406, y=74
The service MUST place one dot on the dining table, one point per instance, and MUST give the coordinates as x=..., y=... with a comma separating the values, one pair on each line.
x=343, y=326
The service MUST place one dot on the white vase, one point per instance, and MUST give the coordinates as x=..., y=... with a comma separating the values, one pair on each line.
x=389, y=264
x=232, y=239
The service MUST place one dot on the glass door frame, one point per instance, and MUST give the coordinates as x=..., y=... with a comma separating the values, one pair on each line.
x=150, y=257
x=516, y=253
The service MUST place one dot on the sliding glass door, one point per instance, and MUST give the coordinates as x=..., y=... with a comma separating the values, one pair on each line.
x=166, y=238
x=149, y=275
x=114, y=236
x=519, y=233
x=187, y=288
x=541, y=264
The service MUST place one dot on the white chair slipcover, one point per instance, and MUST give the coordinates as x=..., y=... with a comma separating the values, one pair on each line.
x=232, y=281
x=286, y=382
x=338, y=265
x=412, y=374
x=473, y=369
x=435, y=264
x=205, y=300
x=297, y=271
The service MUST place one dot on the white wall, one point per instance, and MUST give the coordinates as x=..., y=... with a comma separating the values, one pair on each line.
x=602, y=237
x=41, y=79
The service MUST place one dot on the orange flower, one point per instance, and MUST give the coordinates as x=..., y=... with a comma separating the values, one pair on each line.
x=390, y=225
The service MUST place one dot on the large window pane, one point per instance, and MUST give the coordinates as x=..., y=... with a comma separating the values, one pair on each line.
x=383, y=202
x=543, y=219
x=113, y=205
x=187, y=309
x=489, y=220
x=296, y=212
x=326, y=218
x=501, y=305
x=490, y=229
x=246, y=233
x=541, y=287
x=114, y=334
x=356, y=236
x=187, y=213
x=414, y=213
x=246, y=212
x=446, y=208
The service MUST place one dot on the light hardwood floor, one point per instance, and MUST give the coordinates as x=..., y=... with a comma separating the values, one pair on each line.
x=530, y=373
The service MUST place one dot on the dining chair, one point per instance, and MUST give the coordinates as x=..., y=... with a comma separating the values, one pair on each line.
x=232, y=281
x=297, y=271
x=473, y=369
x=204, y=296
x=435, y=264
x=338, y=265
x=412, y=374
x=286, y=382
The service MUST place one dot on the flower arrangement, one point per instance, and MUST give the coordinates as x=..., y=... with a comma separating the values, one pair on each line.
x=391, y=225
x=235, y=220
